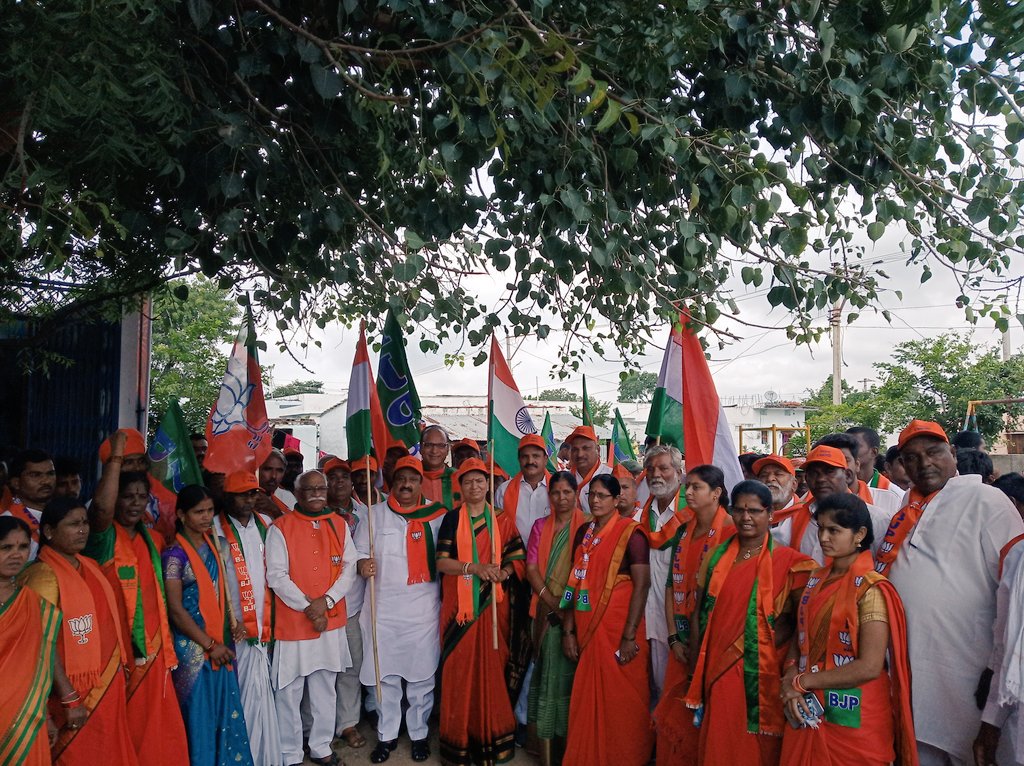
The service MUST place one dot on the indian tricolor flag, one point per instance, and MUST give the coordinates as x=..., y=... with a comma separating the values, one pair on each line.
x=706, y=431
x=665, y=422
x=364, y=422
x=508, y=419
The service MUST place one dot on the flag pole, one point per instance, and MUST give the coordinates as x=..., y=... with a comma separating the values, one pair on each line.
x=494, y=554
x=373, y=578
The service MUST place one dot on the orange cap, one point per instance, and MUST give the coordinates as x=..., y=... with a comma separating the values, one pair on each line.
x=827, y=455
x=361, y=463
x=586, y=432
x=239, y=482
x=921, y=428
x=289, y=451
x=410, y=462
x=134, y=445
x=533, y=440
x=783, y=462
x=334, y=464
x=468, y=466
x=468, y=443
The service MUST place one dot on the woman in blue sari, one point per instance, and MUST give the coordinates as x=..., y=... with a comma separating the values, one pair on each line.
x=203, y=632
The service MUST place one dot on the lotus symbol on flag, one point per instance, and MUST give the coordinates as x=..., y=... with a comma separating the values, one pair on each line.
x=231, y=403
x=524, y=422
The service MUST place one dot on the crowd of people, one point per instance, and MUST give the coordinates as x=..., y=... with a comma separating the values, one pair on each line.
x=852, y=607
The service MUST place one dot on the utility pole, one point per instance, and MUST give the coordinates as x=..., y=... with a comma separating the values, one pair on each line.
x=864, y=384
x=837, y=354
x=1006, y=346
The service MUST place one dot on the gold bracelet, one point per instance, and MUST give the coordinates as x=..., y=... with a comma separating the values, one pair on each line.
x=541, y=591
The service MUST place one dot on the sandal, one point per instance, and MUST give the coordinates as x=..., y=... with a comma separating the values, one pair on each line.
x=352, y=737
x=327, y=760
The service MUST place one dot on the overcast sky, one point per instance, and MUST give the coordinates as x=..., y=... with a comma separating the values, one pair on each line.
x=762, y=361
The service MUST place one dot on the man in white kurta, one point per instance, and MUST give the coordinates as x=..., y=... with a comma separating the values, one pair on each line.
x=408, y=613
x=664, y=467
x=309, y=664
x=531, y=486
x=945, y=569
x=242, y=532
x=586, y=462
x=350, y=690
x=828, y=473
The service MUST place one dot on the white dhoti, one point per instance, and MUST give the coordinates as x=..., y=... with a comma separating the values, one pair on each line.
x=350, y=690
x=253, y=666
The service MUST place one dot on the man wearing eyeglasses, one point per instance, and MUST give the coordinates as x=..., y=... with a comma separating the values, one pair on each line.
x=310, y=567
x=437, y=475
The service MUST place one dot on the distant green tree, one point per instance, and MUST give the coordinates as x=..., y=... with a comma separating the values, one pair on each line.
x=932, y=379
x=194, y=323
x=637, y=386
x=297, y=387
x=557, y=395
x=599, y=411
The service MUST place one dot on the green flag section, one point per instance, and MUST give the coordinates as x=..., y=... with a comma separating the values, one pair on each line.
x=396, y=390
x=588, y=416
x=665, y=423
x=549, y=441
x=364, y=422
x=620, y=446
x=508, y=419
x=172, y=459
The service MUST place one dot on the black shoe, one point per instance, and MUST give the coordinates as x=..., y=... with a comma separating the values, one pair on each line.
x=383, y=751
x=420, y=749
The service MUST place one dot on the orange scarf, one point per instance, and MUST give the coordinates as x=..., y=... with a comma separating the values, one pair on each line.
x=419, y=538
x=510, y=502
x=254, y=632
x=83, y=660
x=19, y=511
x=801, y=521
x=469, y=585
x=662, y=539
x=126, y=567
x=842, y=645
x=864, y=492
x=583, y=481
x=213, y=598
x=547, y=537
x=687, y=557
x=906, y=519
x=757, y=640
x=782, y=514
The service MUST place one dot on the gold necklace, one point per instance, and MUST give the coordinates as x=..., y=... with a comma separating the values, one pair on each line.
x=748, y=553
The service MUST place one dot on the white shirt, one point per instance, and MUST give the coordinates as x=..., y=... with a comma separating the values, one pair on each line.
x=809, y=545
x=329, y=651
x=533, y=504
x=584, y=489
x=286, y=497
x=1005, y=717
x=661, y=562
x=354, y=599
x=252, y=548
x=946, y=574
x=888, y=499
x=408, y=616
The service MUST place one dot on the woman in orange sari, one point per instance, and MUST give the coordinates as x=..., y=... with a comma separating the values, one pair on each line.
x=849, y=617
x=130, y=557
x=92, y=646
x=746, y=607
x=28, y=631
x=603, y=629
x=708, y=523
x=478, y=550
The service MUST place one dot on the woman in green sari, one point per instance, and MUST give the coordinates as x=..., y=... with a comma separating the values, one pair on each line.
x=548, y=559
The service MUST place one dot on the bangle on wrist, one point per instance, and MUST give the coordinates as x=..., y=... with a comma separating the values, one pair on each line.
x=797, y=685
x=465, y=569
x=213, y=643
x=541, y=591
x=72, y=704
x=673, y=640
x=116, y=459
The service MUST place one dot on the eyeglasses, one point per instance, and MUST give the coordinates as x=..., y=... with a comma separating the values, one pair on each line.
x=314, y=490
x=600, y=495
x=736, y=511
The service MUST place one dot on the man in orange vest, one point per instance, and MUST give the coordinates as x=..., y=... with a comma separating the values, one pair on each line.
x=310, y=567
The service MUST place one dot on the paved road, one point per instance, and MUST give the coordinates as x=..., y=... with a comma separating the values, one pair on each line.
x=400, y=757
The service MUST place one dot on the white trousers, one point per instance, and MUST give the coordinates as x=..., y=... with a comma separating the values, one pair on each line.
x=323, y=698
x=929, y=755
x=659, y=664
x=420, y=695
x=350, y=691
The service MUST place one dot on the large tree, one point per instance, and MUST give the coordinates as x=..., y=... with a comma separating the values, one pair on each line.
x=192, y=321
x=932, y=379
x=610, y=158
x=637, y=386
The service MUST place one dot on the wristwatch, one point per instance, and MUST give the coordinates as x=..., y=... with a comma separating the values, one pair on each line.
x=330, y=601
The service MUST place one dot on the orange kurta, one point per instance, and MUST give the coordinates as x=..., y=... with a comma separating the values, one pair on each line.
x=103, y=740
x=609, y=713
x=476, y=721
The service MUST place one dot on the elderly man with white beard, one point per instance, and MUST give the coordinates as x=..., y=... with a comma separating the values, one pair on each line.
x=778, y=474
x=660, y=519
